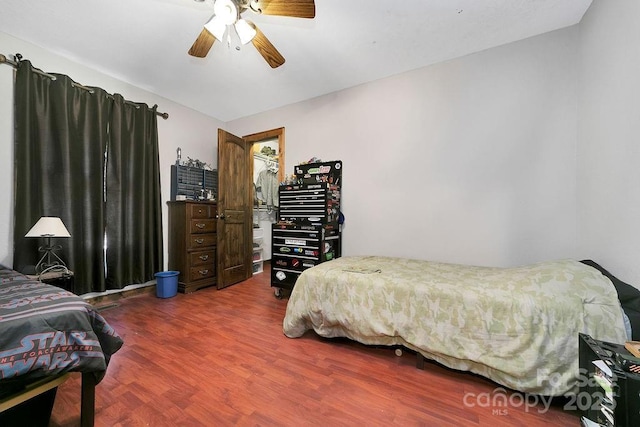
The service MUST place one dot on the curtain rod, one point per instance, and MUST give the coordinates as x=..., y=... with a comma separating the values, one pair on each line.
x=14, y=64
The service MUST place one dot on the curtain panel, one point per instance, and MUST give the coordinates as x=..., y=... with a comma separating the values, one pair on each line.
x=134, y=205
x=75, y=158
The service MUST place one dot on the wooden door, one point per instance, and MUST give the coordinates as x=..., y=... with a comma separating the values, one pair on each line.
x=234, y=209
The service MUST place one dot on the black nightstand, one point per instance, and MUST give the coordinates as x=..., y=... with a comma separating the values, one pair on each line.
x=61, y=279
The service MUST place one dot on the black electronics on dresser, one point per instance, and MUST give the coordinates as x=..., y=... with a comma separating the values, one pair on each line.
x=609, y=394
x=308, y=229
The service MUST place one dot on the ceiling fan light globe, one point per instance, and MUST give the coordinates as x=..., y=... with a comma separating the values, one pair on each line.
x=216, y=27
x=245, y=31
x=226, y=11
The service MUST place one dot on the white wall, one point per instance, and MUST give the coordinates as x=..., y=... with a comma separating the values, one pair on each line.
x=609, y=132
x=194, y=132
x=520, y=153
x=471, y=161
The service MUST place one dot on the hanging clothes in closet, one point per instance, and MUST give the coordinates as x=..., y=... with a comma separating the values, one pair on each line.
x=267, y=185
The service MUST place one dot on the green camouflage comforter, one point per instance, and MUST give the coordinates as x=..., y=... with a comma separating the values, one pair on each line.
x=517, y=326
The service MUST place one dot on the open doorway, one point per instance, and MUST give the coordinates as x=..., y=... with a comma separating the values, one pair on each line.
x=268, y=154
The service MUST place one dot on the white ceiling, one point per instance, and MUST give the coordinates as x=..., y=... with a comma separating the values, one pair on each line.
x=350, y=42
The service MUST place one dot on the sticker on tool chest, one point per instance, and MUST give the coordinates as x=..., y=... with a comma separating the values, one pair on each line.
x=295, y=242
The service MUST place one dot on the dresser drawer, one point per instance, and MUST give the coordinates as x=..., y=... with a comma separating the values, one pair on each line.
x=204, y=257
x=202, y=241
x=201, y=211
x=202, y=272
x=202, y=225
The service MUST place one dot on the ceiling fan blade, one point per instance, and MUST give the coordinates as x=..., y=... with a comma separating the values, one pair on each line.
x=266, y=49
x=293, y=8
x=203, y=43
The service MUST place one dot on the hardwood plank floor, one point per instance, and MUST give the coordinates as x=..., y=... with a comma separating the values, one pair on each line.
x=220, y=358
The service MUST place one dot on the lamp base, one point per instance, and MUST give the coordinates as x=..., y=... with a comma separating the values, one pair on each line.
x=46, y=262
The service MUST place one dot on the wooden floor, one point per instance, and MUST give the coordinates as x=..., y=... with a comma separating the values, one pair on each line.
x=218, y=358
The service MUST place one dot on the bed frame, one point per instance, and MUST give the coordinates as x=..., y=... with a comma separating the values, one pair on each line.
x=36, y=388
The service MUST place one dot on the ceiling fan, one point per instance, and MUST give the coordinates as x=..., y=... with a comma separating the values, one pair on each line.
x=227, y=21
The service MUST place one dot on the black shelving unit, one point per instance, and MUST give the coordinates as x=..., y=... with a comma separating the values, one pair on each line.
x=193, y=183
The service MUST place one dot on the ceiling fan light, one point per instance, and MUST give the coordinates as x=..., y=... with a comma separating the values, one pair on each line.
x=226, y=11
x=245, y=31
x=216, y=27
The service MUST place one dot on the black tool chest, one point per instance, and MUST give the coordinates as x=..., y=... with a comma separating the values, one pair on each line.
x=309, y=204
x=308, y=230
x=298, y=247
x=609, y=384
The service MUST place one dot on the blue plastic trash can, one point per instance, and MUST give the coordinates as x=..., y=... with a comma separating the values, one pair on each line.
x=167, y=284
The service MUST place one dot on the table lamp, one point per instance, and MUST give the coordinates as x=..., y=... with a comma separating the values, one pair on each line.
x=48, y=227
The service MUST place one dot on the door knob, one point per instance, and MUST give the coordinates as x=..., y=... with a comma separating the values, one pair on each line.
x=221, y=216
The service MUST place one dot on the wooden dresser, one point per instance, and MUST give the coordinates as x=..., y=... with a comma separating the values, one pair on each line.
x=192, y=243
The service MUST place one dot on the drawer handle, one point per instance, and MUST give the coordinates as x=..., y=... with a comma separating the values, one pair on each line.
x=199, y=241
x=201, y=225
x=200, y=210
x=203, y=272
x=204, y=257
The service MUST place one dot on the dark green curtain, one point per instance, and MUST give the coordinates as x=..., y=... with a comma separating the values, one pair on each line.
x=133, y=211
x=71, y=148
x=60, y=140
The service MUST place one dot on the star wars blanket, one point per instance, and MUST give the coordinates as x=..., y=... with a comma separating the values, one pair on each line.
x=45, y=330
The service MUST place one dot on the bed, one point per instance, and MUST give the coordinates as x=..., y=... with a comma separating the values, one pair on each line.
x=516, y=326
x=47, y=332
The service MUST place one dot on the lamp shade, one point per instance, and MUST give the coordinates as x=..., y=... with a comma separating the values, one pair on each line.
x=48, y=226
